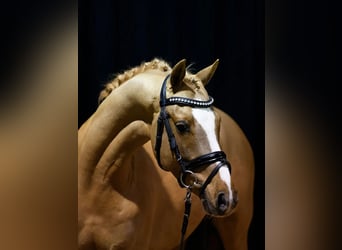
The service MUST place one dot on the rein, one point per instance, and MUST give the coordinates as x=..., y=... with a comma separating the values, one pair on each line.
x=187, y=166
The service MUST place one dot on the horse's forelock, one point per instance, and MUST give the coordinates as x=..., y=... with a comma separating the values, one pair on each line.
x=193, y=82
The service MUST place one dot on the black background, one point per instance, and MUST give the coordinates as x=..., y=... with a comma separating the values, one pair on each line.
x=117, y=35
x=302, y=50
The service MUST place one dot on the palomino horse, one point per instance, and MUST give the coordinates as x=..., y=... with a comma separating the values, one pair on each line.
x=154, y=139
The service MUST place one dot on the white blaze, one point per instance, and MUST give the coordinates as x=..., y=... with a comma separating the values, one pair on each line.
x=206, y=118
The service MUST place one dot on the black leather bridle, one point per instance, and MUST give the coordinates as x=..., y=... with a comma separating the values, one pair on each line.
x=186, y=166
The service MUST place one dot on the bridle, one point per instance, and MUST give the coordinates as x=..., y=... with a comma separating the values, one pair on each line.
x=187, y=167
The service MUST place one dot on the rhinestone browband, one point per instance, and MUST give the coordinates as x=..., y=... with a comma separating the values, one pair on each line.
x=189, y=102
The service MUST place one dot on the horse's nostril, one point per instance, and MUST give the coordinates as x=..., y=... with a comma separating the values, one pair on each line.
x=222, y=203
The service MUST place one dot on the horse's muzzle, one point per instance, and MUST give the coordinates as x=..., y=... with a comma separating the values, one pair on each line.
x=221, y=205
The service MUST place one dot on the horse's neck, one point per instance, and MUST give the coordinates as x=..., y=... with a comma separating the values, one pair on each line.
x=134, y=100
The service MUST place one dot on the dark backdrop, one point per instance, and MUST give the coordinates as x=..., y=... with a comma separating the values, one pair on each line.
x=116, y=35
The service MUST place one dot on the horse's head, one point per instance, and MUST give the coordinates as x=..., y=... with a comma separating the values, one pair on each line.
x=185, y=134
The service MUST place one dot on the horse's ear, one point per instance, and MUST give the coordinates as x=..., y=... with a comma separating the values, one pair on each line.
x=207, y=73
x=178, y=74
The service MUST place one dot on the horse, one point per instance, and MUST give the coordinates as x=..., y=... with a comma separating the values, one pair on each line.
x=155, y=139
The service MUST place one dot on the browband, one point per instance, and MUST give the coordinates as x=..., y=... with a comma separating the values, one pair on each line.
x=178, y=100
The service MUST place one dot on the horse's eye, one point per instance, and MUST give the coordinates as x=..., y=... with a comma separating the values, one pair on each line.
x=182, y=127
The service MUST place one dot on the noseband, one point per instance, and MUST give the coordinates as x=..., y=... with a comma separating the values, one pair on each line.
x=187, y=166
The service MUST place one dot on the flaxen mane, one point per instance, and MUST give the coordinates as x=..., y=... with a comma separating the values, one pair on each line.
x=128, y=74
